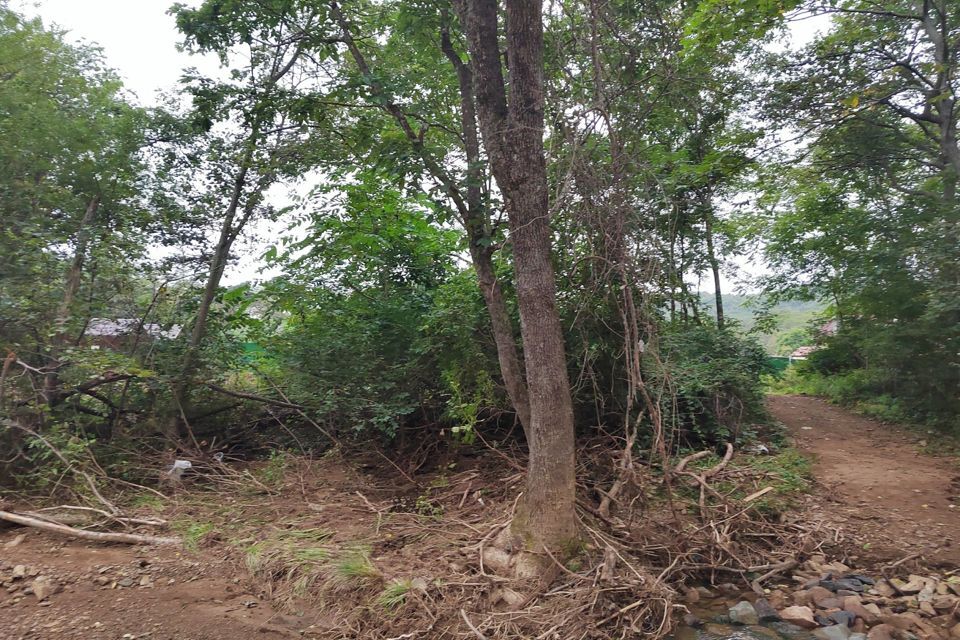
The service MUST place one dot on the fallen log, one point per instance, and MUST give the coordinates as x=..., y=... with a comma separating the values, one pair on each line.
x=126, y=538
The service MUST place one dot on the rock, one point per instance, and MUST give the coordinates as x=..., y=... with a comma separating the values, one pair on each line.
x=902, y=621
x=833, y=632
x=862, y=578
x=818, y=594
x=720, y=630
x=830, y=603
x=765, y=610
x=744, y=613
x=728, y=589
x=778, y=599
x=10, y=544
x=884, y=589
x=822, y=619
x=859, y=626
x=944, y=603
x=102, y=580
x=692, y=621
x=914, y=586
x=843, y=617
x=858, y=636
x=146, y=581
x=927, y=609
x=19, y=571
x=692, y=596
x=800, y=616
x=849, y=584
x=44, y=587
x=955, y=631
x=853, y=605
x=125, y=582
x=881, y=632
x=789, y=630
x=704, y=592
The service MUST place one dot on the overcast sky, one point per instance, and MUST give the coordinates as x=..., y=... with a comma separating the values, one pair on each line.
x=139, y=40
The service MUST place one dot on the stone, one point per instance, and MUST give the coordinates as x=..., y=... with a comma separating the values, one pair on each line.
x=858, y=636
x=881, y=632
x=788, y=630
x=944, y=603
x=692, y=596
x=19, y=571
x=744, y=613
x=830, y=603
x=849, y=584
x=692, y=621
x=146, y=581
x=853, y=605
x=955, y=631
x=44, y=587
x=125, y=582
x=818, y=594
x=833, y=632
x=765, y=610
x=728, y=589
x=720, y=630
x=843, y=617
x=10, y=544
x=800, y=616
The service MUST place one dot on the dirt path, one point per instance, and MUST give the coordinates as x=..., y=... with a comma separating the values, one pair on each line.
x=115, y=592
x=875, y=484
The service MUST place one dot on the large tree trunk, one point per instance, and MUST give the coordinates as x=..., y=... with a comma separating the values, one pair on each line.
x=513, y=134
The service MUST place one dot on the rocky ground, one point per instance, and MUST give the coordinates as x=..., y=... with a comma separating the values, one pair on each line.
x=831, y=601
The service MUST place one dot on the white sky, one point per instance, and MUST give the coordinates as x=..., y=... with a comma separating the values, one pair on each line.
x=139, y=40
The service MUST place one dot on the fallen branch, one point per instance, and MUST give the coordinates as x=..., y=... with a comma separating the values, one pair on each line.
x=690, y=458
x=253, y=396
x=126, y=538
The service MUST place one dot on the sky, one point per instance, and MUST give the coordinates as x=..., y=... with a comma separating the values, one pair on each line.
x=139, y=40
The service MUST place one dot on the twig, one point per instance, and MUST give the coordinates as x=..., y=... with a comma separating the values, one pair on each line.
x=476, y=632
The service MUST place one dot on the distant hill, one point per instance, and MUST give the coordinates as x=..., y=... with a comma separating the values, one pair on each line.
x=790, y=315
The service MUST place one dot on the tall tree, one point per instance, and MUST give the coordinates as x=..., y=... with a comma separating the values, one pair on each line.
x=512, y=125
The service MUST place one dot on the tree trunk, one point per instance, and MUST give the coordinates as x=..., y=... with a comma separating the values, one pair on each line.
x=218, y=263
x=477, y=223
x=714, y=263
x=71, y=287
x=513, y=135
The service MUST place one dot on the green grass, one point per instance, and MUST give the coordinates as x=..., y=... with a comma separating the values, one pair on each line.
x=394, y=595
x=354, y=567
x=192, y=532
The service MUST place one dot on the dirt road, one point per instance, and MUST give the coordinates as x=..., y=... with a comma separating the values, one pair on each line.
x=875, y=484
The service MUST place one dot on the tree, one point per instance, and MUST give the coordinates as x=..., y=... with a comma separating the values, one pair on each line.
x=512, y=127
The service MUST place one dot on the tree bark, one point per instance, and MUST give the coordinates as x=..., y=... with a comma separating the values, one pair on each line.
x=512, y=129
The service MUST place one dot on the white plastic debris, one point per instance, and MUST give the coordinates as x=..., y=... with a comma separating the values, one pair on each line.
x=179, y=468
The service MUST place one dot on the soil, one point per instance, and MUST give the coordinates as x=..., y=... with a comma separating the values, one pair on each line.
x=876, y=491
x=876, y=487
